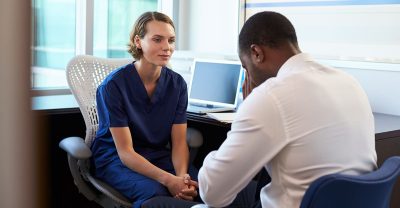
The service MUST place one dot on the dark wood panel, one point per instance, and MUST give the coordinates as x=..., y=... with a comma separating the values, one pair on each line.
x=62, y=191
x=213, y=136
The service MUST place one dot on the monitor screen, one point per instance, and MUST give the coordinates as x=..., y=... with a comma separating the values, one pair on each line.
x=215, y=82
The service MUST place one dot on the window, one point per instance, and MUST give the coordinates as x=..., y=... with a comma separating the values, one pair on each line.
x=111, y=31
x=58, y=33
x=54, y=40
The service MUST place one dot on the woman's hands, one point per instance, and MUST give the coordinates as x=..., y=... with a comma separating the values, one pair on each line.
x=175, y=185
x=190, y=192
x=182, y=187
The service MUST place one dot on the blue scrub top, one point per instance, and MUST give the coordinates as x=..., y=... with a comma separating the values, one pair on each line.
x=122, y=101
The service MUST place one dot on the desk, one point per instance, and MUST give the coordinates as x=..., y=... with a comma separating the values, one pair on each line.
x=387, y=127
x=206, y=120
x=64, y=119
x=65, y=104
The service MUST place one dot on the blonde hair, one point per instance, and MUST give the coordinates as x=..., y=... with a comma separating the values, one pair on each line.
x=139, y=29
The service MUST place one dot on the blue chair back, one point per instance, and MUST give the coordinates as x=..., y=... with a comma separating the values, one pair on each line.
x=371, y=190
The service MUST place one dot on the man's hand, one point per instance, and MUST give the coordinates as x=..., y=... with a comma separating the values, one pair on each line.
x=247, y=86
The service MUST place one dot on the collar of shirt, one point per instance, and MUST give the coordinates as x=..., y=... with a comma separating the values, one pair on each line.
x=293, y=64
x=158, y=91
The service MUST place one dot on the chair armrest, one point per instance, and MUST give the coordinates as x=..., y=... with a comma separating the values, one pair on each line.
x=76, y=147
x=194, y=138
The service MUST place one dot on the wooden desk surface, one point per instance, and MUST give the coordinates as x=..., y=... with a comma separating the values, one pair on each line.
x=60, y=104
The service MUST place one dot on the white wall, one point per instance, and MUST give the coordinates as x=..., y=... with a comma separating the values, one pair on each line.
x=382, y=88
x=205, y=29
x=362, y=40
x=208, y=26
x=17, y=139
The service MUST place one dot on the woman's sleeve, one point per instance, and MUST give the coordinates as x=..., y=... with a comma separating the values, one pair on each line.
x=110, y=96
x=180, y=113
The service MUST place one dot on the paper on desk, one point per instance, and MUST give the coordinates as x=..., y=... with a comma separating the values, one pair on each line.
x=223, y=117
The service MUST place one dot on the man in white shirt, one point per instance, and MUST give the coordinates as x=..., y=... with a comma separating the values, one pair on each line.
x=301, y=121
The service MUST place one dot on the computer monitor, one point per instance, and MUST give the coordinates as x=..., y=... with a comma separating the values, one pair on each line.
x=215, y=83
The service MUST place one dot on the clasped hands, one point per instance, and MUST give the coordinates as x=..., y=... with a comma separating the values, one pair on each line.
x=183, y=187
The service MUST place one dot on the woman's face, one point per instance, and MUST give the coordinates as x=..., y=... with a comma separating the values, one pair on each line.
x=158, y=44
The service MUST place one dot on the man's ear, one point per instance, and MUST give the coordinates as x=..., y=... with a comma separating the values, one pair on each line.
x=256, y=53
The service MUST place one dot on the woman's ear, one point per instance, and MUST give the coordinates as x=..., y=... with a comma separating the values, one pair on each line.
x=137, y=42
x=256, y=53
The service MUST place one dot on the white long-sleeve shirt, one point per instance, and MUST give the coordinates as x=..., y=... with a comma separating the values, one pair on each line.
x=308, y=121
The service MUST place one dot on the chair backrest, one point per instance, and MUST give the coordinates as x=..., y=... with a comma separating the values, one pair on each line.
x=372, y=190
x=84, y=74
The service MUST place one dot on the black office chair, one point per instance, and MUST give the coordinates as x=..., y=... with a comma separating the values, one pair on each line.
x=84, y=74
x=371, y=190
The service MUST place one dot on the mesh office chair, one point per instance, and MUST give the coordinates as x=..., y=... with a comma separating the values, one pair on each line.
x=371, y=190
x=84, y=74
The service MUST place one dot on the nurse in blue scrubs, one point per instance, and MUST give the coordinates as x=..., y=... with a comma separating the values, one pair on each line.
x=142, y=108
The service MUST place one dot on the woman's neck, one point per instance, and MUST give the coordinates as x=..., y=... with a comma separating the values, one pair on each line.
x=148, y=72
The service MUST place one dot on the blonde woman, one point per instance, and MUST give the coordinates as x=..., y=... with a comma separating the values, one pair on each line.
x=141, y=108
